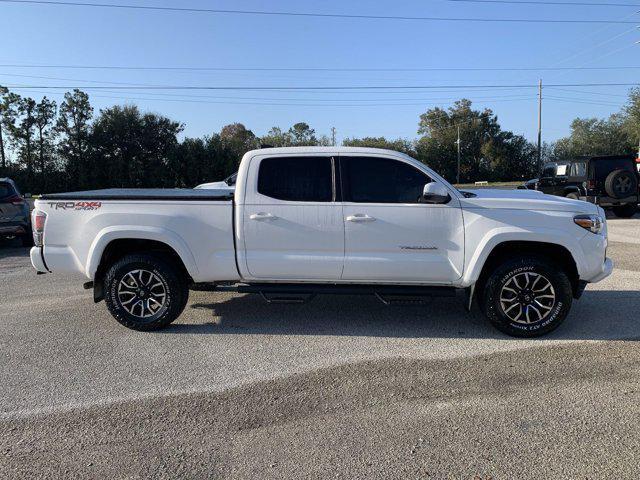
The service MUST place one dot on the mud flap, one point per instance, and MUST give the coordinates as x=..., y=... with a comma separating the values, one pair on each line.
x=468, y=301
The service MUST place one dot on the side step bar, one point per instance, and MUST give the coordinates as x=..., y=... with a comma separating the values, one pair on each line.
x=303, y=292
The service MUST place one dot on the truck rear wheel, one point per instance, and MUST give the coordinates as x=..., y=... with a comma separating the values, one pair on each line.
x=527, y=297
x=144, y=292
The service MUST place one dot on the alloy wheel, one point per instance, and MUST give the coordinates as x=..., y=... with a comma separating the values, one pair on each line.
x=142, y=293
x=527, y=298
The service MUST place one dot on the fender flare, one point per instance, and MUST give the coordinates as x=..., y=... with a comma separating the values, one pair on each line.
x=497, y=236
x=158, y=234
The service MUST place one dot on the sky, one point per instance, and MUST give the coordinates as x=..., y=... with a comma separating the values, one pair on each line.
x=36, y=35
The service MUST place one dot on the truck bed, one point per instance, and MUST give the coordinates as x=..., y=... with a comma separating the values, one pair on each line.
x=143, y=194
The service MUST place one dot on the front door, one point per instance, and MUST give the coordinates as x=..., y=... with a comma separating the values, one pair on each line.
x=390, y=235
x=292, y=223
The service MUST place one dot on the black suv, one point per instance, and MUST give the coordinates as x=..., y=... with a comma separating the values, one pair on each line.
x=608, y=181
x=15, y=220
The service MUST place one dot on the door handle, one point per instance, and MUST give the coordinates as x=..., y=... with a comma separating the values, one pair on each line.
x=262, y=216
x=360, y=217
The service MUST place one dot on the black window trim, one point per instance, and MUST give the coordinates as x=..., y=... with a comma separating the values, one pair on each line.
x=345, y=190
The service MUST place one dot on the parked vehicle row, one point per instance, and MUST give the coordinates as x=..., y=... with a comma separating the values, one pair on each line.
x=340, y=220
x=609, y=181
x=15, y=220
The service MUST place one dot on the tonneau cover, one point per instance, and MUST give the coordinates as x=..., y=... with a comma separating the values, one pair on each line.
x=143, y=194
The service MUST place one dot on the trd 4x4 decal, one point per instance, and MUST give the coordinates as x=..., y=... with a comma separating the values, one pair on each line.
x=75, y=205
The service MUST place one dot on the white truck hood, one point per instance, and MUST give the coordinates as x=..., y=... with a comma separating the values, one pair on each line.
x=524, y=200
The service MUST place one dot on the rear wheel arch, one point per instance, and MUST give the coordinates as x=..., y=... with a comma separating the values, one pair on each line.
x=119, y=248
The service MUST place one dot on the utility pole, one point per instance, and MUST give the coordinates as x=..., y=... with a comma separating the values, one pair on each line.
x=333, y=136
x=539, y=125
x=458, y=143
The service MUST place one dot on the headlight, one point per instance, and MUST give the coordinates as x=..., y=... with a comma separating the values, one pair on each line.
x=593, y=223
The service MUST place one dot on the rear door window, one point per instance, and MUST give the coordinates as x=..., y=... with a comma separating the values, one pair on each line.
x=297, y=179
x=381, y=180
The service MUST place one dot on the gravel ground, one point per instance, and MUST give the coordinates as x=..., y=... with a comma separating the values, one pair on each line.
x=340, y=387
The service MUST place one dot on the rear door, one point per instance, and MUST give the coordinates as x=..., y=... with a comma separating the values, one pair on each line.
x=390, y=235
x=292, y=219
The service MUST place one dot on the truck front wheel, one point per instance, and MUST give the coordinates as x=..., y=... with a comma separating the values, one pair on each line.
x=144, y=292
x=527, y=297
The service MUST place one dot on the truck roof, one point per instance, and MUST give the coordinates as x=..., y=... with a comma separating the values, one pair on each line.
x=338, y=150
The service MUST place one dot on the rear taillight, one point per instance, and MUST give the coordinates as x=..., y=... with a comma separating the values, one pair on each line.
x=15, y=200
x=37, y=223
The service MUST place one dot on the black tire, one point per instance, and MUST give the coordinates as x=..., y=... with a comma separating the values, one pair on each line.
x=573, y=196
x=625, y=211
x=122, y=281
x=550, y=312
x=621, y=184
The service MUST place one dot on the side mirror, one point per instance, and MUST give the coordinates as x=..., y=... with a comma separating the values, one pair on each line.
x=435, y=193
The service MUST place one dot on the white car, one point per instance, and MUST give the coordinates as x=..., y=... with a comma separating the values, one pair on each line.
x=228, y=183
x=334, y=220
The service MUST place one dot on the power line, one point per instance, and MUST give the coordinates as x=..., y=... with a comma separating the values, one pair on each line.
x=591, y=92
x=598, y=45
x=315, y=69
x=275, y=104
x=584, y=101
x=310, y=14
x=537, y=2
x=313, y=88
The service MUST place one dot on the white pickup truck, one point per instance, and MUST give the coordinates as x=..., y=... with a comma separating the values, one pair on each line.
x=327, y=220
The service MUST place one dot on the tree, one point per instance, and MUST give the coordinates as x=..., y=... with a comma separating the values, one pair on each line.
x=487, y=152
x=276, y=138
x=631, y=117
x=45, y=113
x=74, y=125
x=592, y=136
x=130, y=149
x=21, y=114
x=299, y=135
x=510, y=157
x=3, y=120
x=238, y=140
x=302, y=134
x=400, y=145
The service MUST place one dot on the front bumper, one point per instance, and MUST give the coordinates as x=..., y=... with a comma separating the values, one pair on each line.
x=607, y=268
